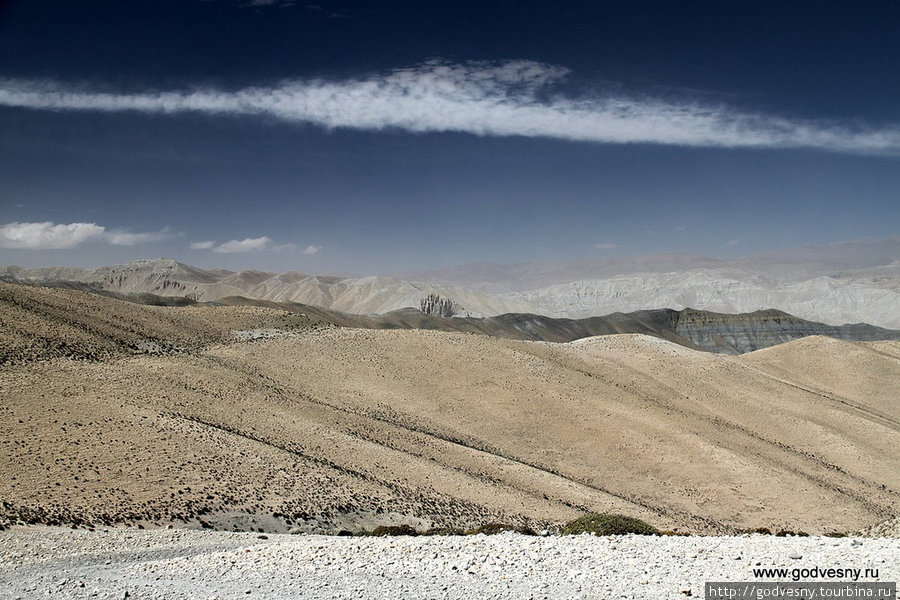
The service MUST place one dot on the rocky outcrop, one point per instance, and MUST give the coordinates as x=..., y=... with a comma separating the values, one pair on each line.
x=737, y=334
x=434, y=305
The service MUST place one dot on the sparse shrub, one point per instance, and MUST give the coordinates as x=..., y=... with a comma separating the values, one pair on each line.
x=495, y=528
x=761, y=531
x=383, y=530
x=835, y=534
x=444, y=531
x=608, y=524
x=787, y=532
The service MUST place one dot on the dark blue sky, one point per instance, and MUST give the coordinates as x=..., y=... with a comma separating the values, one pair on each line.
x=285, y=134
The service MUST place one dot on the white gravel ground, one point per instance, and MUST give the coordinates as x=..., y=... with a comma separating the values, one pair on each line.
x=171, y=564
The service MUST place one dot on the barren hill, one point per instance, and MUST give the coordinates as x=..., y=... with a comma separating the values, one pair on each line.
x=251, y=424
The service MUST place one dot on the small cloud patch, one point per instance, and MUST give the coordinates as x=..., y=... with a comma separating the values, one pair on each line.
x=244, y=245
x=202, y=245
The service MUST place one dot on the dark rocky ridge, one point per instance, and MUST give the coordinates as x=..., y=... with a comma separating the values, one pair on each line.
x=698, y=329
x=737, y=334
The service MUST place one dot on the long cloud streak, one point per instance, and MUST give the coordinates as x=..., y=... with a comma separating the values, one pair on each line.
x=504, y=99
x=47, y=235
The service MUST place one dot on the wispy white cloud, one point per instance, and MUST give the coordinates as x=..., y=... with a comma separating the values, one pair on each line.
x=733, y=243
x=606, y=246
x=202, y=245
x=311, y=250
x=245, y=245
x=516, y=98
x=47, y=235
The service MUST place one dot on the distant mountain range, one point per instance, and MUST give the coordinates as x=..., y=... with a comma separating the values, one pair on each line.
x=852, y=282
x=364, y=295
x=697, y=329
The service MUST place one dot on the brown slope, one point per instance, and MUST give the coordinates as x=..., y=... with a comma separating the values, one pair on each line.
x=446, y=427
x=39, y=323
x=642, y=419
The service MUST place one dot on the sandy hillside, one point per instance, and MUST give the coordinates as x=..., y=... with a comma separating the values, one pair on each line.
x=330, y=428
x=39, y=323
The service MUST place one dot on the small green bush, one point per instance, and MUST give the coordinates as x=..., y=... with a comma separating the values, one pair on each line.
x=444, y=531
x=787, y=532
x=495, y=528
x=383, y=530
x=608, y=524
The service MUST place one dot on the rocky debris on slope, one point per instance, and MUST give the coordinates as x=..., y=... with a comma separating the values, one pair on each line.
x=176, y=565
x=886, y=529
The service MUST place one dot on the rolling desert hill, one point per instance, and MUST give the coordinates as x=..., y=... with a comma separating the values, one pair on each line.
x=254, y=418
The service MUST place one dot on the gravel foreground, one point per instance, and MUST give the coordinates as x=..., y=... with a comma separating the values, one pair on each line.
x=173, y=564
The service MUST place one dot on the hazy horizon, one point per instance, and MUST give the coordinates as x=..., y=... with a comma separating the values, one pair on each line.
x=849, y=254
